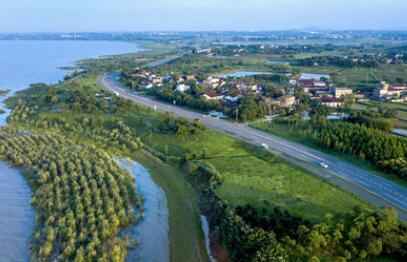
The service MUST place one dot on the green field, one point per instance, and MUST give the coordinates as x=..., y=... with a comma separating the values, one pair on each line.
x=399, y=122
x=252, y=176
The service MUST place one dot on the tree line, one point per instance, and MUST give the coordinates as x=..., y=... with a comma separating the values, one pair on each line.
x=388, y=152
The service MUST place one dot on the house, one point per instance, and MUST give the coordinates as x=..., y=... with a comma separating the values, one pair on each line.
x=191, y=78
x=212, y=82
x=306, y=84
x=286, y=101
x=158, y=80
x=310, y=85
x=273, y=105
x=245, y=87
x=141, y=75
x=385, y=91
x=204, y=51
x=359, y=95
x=338, y=92
x=331, y=102
x=292, y=82
x=182, y=88
x=213, y=96
x=233, y=98
x=180, y=80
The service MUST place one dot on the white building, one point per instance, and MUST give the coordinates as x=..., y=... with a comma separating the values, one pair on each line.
x=182, y=88
x=342, y=91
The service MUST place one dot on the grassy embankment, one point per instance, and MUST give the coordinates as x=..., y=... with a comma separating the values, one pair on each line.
x=186, y=240
x=284, y=133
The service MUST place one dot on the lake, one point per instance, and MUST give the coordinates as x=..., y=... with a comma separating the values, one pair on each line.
x=16, y=215
x=23, y=63
x=309, y=76
x=247, y=73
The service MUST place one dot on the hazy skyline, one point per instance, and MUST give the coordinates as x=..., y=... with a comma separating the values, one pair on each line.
x=199, y=15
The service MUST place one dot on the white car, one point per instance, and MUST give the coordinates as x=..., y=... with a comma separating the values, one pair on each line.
x=265, y=146
x=324, y=165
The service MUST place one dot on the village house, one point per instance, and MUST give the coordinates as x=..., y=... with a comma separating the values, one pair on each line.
x=158, y=80
x=233, y=98
x=331, y=102
x=338, y=92
x=359, y=95
x=286, y=101
x=213, y=82
x=386, y=91
x=191, y=78
x=141, y=75
x=206, y=51
x=312, y=86
x=213, y=96
x=182, y=88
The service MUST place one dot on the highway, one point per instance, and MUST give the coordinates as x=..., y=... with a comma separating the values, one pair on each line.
x=375, y=189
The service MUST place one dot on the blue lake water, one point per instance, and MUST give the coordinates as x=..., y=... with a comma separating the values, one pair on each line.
x=23, y=63
x=309, y=76
x=244, y=74
x=16, y=215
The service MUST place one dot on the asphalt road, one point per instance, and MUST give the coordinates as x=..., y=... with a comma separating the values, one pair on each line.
x=377, y=190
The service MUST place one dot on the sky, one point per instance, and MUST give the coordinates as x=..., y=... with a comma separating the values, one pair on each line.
x=199, y=15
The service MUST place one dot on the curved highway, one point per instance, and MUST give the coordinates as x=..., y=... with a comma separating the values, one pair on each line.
x=377, y=190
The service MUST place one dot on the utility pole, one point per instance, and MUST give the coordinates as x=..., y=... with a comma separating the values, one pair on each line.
x=237, y=115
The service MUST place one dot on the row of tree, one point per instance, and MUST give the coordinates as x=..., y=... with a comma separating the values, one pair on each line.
x=83, y=198
x=387, y=151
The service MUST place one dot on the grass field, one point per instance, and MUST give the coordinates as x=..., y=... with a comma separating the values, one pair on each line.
x=252, y=176
x=359, y=77
x=399, y=122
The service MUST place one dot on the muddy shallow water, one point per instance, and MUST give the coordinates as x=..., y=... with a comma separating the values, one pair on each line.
x=153, y=230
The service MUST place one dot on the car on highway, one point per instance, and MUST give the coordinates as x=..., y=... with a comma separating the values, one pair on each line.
x=324, y=165
x=265, y=146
